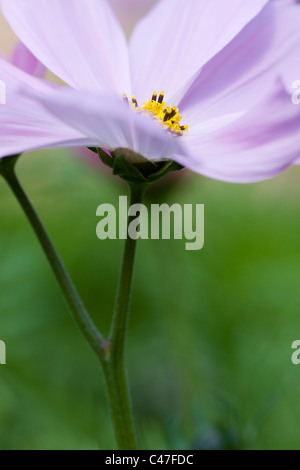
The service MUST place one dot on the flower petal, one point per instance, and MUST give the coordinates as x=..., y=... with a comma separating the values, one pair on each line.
x=82, y=42
x=23, y=59
x=178, y=37
x=238, y=77
x=129, y=12
x=112, y=124
x=290, y=71
x=24, y=123
x=258, y=146
x=26, y=126
x=12, y=75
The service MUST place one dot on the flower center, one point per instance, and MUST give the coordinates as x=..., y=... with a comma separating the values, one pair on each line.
x=168, y=116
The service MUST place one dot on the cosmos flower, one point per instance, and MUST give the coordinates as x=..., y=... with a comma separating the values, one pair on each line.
x=199, y=83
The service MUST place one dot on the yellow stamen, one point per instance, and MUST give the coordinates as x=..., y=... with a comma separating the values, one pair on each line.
x=168, y=116
x=134, y=101
x=161, y=97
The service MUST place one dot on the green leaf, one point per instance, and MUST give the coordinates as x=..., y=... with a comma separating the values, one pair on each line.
x=127, y=171
x=93, y=149
x=106, y=159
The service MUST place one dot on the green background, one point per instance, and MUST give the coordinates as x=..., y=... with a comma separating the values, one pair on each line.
x=210, y=338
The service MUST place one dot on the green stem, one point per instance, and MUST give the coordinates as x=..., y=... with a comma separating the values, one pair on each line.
x=80, y=314
x=116, y=374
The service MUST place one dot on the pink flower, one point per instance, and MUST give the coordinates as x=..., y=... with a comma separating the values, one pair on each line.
x=218, y=63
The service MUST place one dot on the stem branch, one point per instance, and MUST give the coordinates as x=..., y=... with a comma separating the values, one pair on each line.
x=79, y=312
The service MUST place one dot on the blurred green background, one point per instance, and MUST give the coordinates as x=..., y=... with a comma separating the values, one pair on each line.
x=210, y=339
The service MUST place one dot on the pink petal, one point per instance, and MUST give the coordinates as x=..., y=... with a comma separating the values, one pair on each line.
x=23, y=59
x=263, y=143
x=290, y=71
x=12, y=75
x=26, y=126
x=178, y=37
x=112, y=124
x=237, y=78
x=81, y=42
x=129, y=12
x=24, y=123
